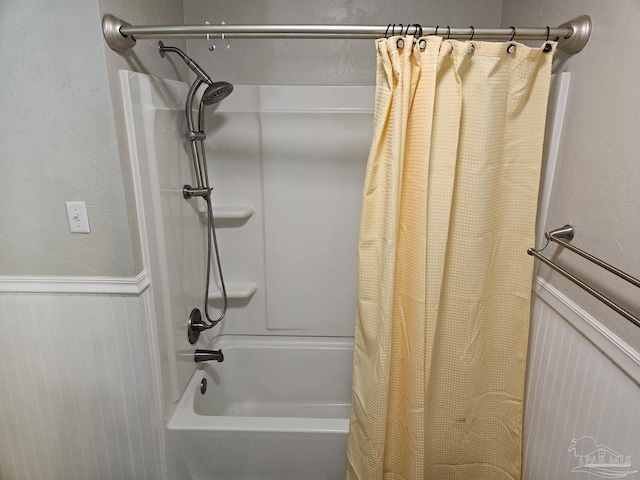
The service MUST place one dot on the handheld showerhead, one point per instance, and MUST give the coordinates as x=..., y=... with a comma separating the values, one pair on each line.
x=216, y=92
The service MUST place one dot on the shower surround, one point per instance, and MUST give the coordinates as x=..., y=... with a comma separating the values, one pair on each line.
x=286, y=165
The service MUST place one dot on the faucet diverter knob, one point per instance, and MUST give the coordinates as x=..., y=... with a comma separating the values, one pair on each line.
x=208, y=355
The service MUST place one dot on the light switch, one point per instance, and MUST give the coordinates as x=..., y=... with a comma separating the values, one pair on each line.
x=78, y=218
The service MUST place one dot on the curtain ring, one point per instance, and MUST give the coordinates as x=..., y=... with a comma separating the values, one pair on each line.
x=513, y=33
x=227, y=46
x=473, y=32
x=212, y=46
x=418, y=33
x=449, y=32
x=547, y=34
x=386, y=33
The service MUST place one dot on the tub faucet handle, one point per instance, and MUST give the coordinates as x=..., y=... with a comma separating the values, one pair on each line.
x=208, y=355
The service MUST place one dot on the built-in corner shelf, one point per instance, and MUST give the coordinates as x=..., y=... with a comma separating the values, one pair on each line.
x=234, y=291
x=230, y=213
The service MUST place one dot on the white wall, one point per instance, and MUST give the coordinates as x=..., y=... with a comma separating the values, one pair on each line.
x=297, y=155
x=74, y=388
x=172, y=234
x=573, y=390
x=317, y=62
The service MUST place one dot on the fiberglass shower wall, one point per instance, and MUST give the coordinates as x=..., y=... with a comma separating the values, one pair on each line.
x=287, y=167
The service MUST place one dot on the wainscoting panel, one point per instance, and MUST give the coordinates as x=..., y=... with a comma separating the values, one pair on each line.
x=74, y=389
x=574, y=390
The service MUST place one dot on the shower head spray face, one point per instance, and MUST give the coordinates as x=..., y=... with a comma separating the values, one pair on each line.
x=216, y=92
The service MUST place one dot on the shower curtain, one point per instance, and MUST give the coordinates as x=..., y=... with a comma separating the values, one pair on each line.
x=444, y=280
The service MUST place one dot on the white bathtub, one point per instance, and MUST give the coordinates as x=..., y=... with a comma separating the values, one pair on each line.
x=276, y=408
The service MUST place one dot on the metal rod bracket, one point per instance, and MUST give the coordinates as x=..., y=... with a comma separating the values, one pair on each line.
x=111, y=30
x=581, y=27
x=566, y=232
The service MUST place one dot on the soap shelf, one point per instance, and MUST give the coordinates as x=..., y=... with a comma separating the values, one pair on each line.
x=229, y=212
x=234, y=291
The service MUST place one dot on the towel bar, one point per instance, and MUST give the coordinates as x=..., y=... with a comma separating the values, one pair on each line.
x=558, y=236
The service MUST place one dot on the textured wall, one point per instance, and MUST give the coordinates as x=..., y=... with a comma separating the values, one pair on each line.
x=598, y=173
x=57, y=143
x=317, y=62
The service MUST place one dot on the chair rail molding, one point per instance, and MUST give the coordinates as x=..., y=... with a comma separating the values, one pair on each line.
x=83, y=285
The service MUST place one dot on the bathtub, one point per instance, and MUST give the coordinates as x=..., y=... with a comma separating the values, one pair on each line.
x=276, y=408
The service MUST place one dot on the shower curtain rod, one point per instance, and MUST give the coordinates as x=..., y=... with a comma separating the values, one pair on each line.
x=572, y=36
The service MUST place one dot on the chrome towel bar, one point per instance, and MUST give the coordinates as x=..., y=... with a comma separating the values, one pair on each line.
x=559, y=236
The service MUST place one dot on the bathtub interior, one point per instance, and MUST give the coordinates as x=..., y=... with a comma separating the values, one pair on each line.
x=278, y=377
x=275, y=408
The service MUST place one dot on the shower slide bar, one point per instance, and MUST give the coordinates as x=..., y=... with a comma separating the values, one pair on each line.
x=559, y=236
x=572, y=36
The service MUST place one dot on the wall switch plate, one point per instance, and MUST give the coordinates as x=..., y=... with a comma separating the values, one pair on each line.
x=78, y=218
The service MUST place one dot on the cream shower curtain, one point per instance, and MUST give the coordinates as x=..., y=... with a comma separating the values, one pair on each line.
x=443, y=276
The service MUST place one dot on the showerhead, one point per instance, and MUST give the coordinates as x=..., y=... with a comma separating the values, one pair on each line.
x=216, y=92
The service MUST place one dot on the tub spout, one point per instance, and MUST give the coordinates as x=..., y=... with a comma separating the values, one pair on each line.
x=208, y=355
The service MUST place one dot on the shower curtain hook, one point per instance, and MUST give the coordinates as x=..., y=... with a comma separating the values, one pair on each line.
x=436, y=32
x=386, y=33
x=212, y=46
x=473, y=32
x=448, y=32
x=227, y=46
x=548, y=31
x=513, y=33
